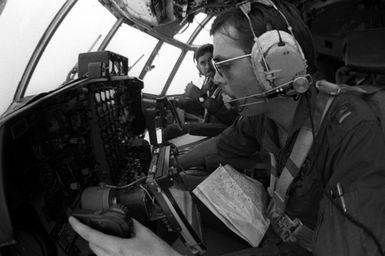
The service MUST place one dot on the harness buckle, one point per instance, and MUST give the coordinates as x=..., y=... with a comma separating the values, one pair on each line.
x=289, y=228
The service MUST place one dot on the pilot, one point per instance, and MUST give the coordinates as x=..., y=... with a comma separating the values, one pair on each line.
x=209, y=97
x=334, y=204
x=206, y=102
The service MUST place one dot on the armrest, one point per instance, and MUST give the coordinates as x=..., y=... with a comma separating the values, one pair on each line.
x=365, y=50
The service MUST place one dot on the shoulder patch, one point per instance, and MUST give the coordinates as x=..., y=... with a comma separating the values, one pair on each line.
x=342, y=113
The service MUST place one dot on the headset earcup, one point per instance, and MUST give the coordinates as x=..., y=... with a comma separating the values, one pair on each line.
x=259, y=68
x=284, y=59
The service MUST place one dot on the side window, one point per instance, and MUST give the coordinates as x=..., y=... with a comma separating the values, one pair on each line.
x=133, y=44
x=186, y=73
x=88, y=22
x=161, y=67
x=20, y=32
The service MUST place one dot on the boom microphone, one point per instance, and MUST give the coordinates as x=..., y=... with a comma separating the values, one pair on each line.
x=294, y=87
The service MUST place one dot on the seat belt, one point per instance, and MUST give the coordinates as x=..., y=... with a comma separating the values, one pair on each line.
x=293, y=230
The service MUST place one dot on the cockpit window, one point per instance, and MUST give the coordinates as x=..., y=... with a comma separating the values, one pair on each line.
x=186, y=73
x=82, y=30
x=22, y=23
x=133, y=44
x=160, y=69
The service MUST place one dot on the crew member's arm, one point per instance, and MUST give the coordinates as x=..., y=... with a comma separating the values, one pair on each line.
x=196, y=156
x=242, y=138
x=145, y=242
x=236, y=146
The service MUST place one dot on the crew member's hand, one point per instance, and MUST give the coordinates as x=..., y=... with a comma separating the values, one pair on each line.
x=144, y=243
x=192, y=91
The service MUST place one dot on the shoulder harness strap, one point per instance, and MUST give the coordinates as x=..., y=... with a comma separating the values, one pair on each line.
x=289, y=229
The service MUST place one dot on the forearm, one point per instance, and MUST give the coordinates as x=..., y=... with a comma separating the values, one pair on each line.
x=196, y=157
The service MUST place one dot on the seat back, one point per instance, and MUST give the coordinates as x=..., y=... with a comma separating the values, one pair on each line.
x=365, y=51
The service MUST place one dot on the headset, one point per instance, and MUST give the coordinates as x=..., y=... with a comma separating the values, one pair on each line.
x=278, y=61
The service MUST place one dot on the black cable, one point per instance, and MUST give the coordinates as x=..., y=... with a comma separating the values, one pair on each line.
x=357, y=223
x=125, y=186
x=281, y=43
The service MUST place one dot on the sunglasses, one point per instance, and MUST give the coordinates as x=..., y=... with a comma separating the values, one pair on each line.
x=218, y=65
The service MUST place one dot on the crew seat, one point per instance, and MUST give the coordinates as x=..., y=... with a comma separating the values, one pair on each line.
x=365, y=51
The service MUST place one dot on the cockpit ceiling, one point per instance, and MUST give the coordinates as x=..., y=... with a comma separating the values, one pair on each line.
x=328, y=20
x=168, y=16
x=155, y=13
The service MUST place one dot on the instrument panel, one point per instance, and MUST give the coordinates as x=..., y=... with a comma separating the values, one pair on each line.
x=54, y=147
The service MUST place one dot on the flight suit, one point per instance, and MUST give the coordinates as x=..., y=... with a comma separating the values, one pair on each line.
x=349, y=149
